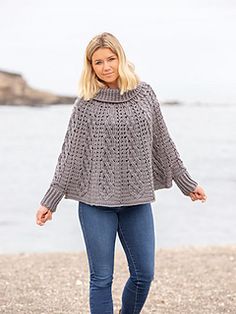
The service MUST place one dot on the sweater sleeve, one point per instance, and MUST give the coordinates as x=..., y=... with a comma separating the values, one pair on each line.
x=179, y=172
x=59, y=182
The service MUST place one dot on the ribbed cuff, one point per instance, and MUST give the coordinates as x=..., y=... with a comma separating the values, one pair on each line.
x=51, y=199
x=185, y=183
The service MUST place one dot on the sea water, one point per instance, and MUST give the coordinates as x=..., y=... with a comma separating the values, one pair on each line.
x=31, y=140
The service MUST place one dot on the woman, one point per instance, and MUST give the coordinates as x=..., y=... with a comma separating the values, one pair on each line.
x=117, y=151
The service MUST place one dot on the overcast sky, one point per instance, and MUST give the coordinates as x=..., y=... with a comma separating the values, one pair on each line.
x=184, y=48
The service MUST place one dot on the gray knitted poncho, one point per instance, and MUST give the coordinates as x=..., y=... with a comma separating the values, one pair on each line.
x=117, y=151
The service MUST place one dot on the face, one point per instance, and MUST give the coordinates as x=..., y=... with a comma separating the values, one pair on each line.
x=105, y=64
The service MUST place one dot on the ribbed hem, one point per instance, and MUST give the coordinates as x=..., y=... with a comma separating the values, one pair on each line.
x=51, y=199
x=185, y=183
x=113, y=203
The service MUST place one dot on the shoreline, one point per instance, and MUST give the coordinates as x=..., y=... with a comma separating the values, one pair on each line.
x=187, y=280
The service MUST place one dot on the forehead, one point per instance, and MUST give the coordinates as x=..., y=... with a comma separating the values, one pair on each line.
x=102, y=53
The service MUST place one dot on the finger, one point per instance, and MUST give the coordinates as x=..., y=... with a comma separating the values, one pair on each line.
x=49, y=215
x=202, y=198
x=48, y=218
x=38, y=219
x=40, y=223
x=44, y=219
x=40, y=215
x=193, y=198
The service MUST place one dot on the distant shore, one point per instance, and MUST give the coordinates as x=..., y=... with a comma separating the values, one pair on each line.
x=199, y=280
x=15, y=91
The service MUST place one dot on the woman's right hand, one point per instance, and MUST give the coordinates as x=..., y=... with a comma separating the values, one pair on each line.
x=43, y=214
x=198, y=194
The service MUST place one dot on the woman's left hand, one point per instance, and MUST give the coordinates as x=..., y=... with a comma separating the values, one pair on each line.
x=198, y=194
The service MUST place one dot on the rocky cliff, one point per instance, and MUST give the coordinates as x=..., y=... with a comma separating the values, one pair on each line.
x=14, y=90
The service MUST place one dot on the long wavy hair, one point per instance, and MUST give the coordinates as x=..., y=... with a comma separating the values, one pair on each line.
x=90, y=84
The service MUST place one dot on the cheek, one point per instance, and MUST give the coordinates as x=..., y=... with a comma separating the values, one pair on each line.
x=96, y=70
x=117, y=67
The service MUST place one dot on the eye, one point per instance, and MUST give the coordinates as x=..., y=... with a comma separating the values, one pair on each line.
x=98, y=62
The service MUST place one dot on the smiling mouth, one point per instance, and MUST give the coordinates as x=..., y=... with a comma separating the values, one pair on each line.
x=107, y=74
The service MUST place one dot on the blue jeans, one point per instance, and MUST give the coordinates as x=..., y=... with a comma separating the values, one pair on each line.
x=135, y=228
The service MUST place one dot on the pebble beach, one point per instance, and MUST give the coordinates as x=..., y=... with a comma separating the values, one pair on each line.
x=200, y=280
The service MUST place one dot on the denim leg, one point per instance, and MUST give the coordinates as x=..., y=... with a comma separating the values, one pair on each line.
x=99, y=229
x=136, y=233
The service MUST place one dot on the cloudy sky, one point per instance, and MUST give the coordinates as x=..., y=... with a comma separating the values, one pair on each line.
x=184, y=48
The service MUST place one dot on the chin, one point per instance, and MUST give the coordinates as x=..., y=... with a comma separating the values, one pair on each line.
x=111, y=81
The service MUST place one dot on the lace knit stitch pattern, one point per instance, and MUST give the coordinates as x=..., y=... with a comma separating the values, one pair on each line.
x=116, y=152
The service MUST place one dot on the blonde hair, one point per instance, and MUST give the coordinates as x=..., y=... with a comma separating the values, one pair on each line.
x=90, y=84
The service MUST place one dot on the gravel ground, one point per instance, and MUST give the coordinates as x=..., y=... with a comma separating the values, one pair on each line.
x=187, y=280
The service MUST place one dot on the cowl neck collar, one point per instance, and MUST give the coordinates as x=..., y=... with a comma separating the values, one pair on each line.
x=107, y=94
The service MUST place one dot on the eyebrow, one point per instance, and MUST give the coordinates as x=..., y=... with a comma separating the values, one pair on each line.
x=113, y=55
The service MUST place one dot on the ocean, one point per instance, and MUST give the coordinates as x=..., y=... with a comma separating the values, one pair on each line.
x=31, y=140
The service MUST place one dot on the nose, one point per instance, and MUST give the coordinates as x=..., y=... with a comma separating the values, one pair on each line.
x=106, y=66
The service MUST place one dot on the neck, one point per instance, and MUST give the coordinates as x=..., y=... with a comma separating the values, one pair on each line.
x=112, y=85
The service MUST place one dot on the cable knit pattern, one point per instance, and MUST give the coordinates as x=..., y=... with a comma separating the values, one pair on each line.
x=116, y=152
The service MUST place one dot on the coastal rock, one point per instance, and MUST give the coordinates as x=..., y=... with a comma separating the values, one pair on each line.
x=14, y=90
